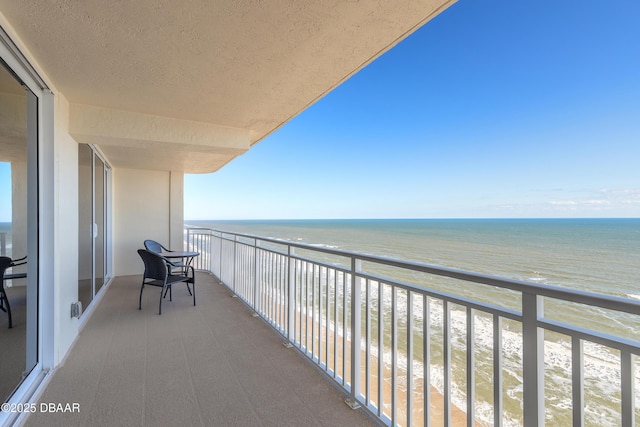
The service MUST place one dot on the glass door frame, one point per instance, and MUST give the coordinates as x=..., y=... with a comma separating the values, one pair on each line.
x=105, y=222
x=106, y=219
x=40, y=220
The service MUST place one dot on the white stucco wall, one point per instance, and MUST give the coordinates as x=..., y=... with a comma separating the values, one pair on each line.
x=65, y=229
x=141, y=211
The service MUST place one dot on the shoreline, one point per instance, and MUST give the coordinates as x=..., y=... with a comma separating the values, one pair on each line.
x=436, y=399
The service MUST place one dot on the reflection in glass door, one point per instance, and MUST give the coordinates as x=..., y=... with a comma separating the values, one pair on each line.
x=93, y=179
x=85, y=224
x=18, y=232
x=99, y=222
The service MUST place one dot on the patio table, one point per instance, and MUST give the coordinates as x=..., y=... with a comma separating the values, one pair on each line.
x=185, y=255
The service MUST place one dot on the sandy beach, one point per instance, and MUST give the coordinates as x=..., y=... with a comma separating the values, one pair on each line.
x=334, y=361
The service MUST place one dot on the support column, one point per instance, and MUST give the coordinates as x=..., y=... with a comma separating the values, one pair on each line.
x=533, y=360
x=176, y=210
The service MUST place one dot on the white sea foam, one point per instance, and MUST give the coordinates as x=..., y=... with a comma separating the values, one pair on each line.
x=601, y=365
x=320, y=245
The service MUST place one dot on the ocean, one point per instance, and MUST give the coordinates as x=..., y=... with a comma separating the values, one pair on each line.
x=599, y=255
x=596, y=255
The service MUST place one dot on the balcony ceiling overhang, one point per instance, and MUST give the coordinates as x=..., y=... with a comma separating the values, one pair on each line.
x=188, y=86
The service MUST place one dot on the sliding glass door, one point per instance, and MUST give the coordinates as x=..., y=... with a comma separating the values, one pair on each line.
x=18, y=231
x=94, y=176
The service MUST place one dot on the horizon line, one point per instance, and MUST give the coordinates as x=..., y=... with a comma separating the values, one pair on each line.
x=407, y=218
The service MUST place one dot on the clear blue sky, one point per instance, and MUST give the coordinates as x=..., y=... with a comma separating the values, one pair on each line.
x=497, y=108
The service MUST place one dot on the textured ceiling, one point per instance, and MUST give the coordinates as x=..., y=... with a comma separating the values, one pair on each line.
x=245, y=64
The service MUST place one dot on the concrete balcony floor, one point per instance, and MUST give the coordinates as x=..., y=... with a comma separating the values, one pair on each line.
x=209, y=365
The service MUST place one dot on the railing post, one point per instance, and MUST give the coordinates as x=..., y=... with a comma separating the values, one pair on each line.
x=497, y=371
x=255, y=275
x=290, y=296
x=233, y=273
x=215, y=265
x=220, y=244
x=628, y=417
x=532, y=360
x=209, y=266
x=356, y=332
x=426, y=360
x=577, y=380
x=471, y=363
x=446, y=360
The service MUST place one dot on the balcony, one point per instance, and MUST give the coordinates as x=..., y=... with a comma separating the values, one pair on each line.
x=491, y=351
x=212, y=364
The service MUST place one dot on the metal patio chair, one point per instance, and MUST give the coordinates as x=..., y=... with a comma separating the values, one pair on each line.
x=5, y=263
x=153, y=246
x=157, y=273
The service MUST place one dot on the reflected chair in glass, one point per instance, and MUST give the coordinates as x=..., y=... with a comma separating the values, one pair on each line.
x=156, y=273
x=5, y=263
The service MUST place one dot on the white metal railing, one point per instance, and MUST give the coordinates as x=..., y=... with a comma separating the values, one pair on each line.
x=435, y=342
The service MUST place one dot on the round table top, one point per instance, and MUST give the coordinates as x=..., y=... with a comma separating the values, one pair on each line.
x=179, y=254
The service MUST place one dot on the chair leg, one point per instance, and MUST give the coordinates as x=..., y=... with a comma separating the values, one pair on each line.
x=170, y=295
x=7, y=307
x=6, y=300
x=192, y=280
x=140, y=300
x=163, y=291
x=194, y=291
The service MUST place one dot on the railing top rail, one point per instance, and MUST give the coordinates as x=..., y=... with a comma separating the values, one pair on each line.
x=199, y=228
x=583, y=297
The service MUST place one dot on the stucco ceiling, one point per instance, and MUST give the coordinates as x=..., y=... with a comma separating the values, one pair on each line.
x=248, y=65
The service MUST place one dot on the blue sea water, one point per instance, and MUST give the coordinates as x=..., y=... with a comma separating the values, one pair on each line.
x=599, y=255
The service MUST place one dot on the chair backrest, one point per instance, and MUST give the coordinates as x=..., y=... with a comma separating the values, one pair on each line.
x=153, y=246
x=155, y=266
